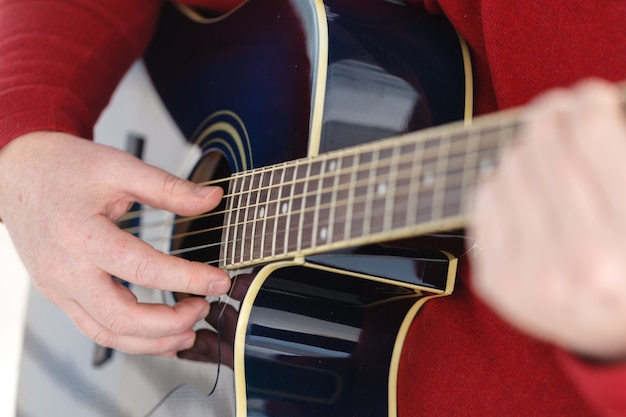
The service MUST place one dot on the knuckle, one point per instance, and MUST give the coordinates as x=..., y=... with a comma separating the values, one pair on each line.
x=173, y=184
x=194, y=280
x=179, y=324
x=142, y=271
x=105, y=338
x=188, y=285
x=119, y=323
x=186, y=275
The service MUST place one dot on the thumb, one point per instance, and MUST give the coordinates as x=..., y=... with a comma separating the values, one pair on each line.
x=155, y=187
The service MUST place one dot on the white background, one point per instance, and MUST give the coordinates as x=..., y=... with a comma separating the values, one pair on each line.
x=13, y=289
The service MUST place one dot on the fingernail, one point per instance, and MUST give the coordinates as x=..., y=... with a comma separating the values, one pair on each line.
x=204, y=192
x=220, y=286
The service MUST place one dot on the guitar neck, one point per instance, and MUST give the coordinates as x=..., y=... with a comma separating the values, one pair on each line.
x=396, y=188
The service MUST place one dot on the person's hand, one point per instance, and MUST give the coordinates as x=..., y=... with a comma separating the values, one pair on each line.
x=220, y=348
x=551, y=224
x=59, y=198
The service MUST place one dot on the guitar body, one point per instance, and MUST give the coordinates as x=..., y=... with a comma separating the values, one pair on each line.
x=314, y=335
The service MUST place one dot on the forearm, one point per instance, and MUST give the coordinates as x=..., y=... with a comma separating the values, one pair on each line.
x=61, y=60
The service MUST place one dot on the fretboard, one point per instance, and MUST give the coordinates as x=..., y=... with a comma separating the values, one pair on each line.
x=396, y=188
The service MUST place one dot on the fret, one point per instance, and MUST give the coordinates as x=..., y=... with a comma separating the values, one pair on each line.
x=414, y=183
x=384, y=189
x=369, y=197
x=276, y=198
x=239, y=219
x=247, y=237
x=328, y=200
x=399, y=200
x=441, y=179
x=470, y=168
x=228, y=222
x=361, y=217
x=392, y=189
x=296, y=205
x=319, y=173
x=427, y=177
x=232, y=222
x=360, y=189
x=302, y=186
x=340, y=229
x=257, y=212
x=266, y=210
x=284, y=208
x=459, y=162
x=487, y=151
x=380, y=184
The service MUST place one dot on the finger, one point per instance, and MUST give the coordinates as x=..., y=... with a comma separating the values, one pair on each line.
x=209, y=347
x=205, y=348
x=223, y=317
x=116, y=308
x=507, y=225
x=538, y=141
x=157, y=188
x=598, y=129
x=558, y=175
x=127, y=343
x=129, y=258
x=497, y=213
x=491, y=227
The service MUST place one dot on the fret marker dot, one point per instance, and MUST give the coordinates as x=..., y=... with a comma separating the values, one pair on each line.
x=262, y=212
x=332, y=165
x=428, y=178
x=284, y=208
x=381, y=189
x=485, y=166
x=323, y=233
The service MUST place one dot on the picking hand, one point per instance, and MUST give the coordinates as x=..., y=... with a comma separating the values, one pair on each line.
x=60, y=197
x=551, y=224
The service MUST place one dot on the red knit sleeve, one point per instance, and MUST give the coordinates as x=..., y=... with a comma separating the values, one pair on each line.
x=604, y=386
x=60, y=60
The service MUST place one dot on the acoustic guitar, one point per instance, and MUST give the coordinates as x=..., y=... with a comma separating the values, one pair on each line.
x=341, y=135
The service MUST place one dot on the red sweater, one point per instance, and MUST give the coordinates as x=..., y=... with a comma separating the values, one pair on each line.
x=57, y=73
x=519, y=48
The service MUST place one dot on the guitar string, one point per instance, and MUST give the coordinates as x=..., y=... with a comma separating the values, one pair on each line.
x=464, y=175
x=438, y=162
x=433, y=157
x=359, y=216
x=482, y=129
x=430, y=154
x=450, y=180
x=300, y=212
x=356, y=217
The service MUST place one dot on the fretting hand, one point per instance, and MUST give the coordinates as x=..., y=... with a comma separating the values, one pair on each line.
x=551, y=224
x=59, y=198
